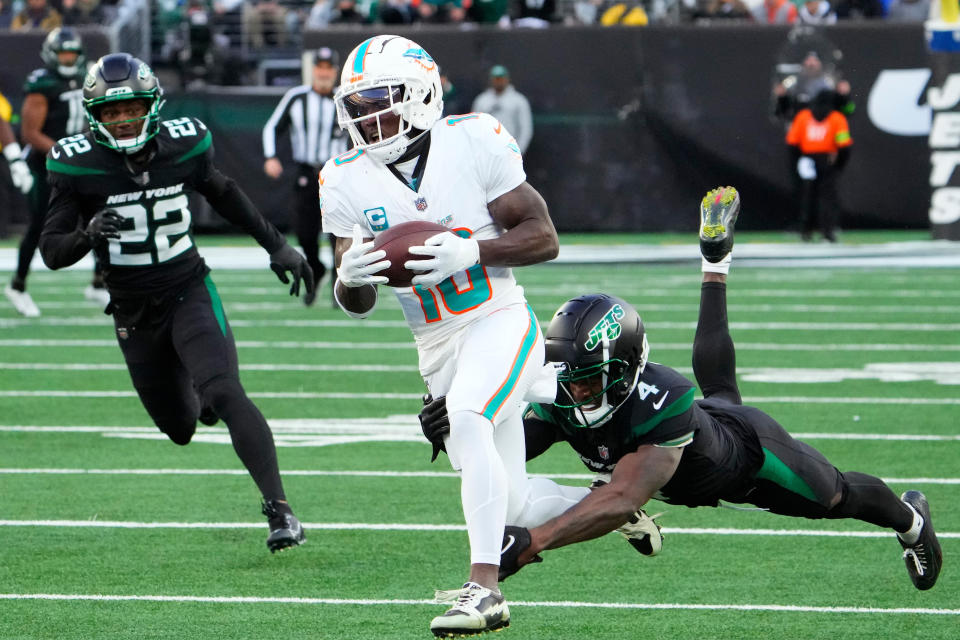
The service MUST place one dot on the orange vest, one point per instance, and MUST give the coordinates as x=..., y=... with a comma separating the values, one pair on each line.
x=816, y=136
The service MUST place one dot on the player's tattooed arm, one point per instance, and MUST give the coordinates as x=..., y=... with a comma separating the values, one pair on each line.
x=530, y=236
x=356, y=300
x=31, y=126
x=635, y=479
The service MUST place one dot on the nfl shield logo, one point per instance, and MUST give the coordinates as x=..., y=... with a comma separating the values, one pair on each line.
x=421, y=204
x=122, y=332
x=604, y=452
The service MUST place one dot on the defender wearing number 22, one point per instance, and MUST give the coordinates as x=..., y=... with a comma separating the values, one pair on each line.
x=122, y=190
x=478, y=341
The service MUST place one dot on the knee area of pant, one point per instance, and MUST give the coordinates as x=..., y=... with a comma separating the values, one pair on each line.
x=179, y=431
x=219, y=392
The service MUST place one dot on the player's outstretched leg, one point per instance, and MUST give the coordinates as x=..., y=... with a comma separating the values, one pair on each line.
x=718, y=215
x=475, y=610
x=922, y=554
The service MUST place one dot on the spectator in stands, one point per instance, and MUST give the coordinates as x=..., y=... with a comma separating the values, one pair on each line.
x=796, y=92
x=6, y=14
x=453, y=103
x=535, y=13
x=507, y=105
x=79, y=12
x=442, y=11
x=396, y=12
x=775, y=12
x=724, y=10
x=320, y=14
x=490, y=12
x=36, y=15
x=310, y=115
x=264, y=21
x=908, y=10
x=816, y=12
x=820, y=141
x=859, y=9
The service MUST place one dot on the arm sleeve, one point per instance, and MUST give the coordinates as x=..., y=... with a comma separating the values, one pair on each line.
x=62, y=242
x=539, y=434
x=228, y=200
x=277, y=123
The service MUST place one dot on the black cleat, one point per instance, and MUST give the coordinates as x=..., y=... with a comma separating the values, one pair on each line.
x=718, y=215
x=285, y=529
x=923, y=558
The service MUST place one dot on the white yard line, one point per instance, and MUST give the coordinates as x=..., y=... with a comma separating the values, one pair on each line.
x=355, y=474
x=319, y=395
x=659, y=346
x=779, y=608
x=336, y=368
x=365, y=526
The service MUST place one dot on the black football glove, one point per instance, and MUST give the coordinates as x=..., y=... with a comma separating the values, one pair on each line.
x=286, y=258
x=104, y=224
x=435, y=422
x=516, y=540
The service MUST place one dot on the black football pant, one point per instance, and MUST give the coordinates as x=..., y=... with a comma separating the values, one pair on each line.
x=820, y=200
x=307, y=224
x=38, y=200
x=794, y=479
x=180, y=352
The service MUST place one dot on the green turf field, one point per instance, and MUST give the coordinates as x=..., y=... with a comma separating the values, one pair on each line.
x=102, y=530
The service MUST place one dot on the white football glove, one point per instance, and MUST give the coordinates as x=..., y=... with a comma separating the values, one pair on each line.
x=359, y=263
x=19, y=171
x=449, y=254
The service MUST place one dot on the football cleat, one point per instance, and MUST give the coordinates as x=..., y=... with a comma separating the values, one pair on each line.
x=22, y=302
x=641, y=531
x=285, y=529
x=476, y=610
x=97, y=294
x=924, y=557
x=718, y=215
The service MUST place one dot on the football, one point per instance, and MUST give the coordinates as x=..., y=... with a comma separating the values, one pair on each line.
x=396, y=241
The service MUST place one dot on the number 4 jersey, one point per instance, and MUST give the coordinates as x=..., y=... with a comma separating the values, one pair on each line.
x=471, y=161
x=155, y=250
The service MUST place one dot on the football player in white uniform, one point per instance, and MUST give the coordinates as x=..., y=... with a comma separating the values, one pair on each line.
x=479, y=342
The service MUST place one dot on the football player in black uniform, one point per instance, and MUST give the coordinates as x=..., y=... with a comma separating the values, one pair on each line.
x=121, y=190
x=52, y=109
x=639, y=422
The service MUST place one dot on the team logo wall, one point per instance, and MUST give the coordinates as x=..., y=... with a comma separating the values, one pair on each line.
x=608, y=328
x=943, y=96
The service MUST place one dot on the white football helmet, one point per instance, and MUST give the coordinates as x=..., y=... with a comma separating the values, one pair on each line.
x=388, y=75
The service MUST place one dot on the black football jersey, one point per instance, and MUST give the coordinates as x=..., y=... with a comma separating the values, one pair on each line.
x=65, y=113
x=155, y=250
x=719, y=454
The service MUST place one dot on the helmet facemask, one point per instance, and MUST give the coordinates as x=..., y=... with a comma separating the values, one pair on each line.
x=609, y=383
x=120, y=78
x=149, y=123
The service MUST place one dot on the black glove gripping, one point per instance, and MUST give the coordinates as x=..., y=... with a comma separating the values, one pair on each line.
x=435, y=422
x=516, y=540
x=104, y=224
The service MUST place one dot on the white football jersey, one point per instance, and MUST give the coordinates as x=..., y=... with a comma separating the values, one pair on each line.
x=472, y=161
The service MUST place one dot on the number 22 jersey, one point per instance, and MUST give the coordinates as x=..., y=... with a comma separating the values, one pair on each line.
x=472, y=160
x=155, y=250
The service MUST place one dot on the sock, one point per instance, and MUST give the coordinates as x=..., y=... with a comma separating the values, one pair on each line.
x=911, y=535
x=717, y=267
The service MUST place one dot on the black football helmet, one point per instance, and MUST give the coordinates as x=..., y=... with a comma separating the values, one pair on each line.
x=57, y=41
x=601, y=343
x=117, y=77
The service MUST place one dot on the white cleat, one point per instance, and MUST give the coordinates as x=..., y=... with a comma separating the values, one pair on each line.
x=641, y=531
x=476, y=610
x=97, y=294
x=22, y=302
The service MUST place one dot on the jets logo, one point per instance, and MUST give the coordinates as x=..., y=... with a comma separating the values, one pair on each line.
x=607, y=329
x=144, y=73
x=90, y=81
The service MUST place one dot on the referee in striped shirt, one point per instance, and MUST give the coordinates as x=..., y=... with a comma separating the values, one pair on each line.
x=308, y=112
